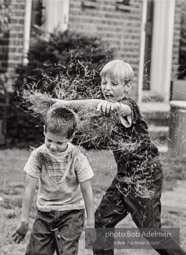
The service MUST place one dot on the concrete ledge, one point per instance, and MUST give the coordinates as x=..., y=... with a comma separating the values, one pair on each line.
x=156, y=113
x=154, y=107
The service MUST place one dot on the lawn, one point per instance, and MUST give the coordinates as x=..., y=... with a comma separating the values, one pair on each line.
x=12, y=186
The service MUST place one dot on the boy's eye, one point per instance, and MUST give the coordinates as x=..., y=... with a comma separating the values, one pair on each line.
x=59, y=143
x=104, y=82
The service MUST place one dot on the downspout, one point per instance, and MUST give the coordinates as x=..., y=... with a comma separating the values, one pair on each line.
x=170, y=45
x=142, y=51
x=27, y=25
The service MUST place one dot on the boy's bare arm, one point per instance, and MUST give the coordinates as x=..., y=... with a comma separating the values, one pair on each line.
x=101, y=105
x=30, y=187
x=86, y=189
x=107, y=107
x=87, y=192
x=78, y=104
x=22, y=229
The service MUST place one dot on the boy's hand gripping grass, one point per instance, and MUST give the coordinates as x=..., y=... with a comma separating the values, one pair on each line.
x=107, y=107
x=20, y=232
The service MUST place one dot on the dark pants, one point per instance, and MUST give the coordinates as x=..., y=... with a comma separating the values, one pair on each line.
x=145, y=212
x=69, y=225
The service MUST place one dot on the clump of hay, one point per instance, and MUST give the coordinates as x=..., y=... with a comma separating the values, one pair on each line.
x=139, y=186
x=94, y=129
x=37, y=103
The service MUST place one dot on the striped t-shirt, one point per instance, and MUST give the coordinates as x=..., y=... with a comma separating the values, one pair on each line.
x=59, y=177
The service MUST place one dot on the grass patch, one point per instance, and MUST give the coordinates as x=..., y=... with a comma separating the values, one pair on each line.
x=12, y=187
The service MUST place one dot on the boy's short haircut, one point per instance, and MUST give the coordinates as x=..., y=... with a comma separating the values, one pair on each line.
x=61, y=121
x=118, y=69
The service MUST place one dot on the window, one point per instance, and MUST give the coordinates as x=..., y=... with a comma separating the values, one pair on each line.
x=36, y=15
x=55, y=15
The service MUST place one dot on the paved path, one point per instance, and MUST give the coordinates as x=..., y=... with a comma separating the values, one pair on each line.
x=175, y=198
x=174, y=210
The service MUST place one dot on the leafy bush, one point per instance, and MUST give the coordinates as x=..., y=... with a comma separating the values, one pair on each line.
x=65, y=62
x=62, y=53
x=22, y=130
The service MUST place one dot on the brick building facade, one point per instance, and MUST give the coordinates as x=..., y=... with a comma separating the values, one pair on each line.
x=129, y=26
x=118, y=25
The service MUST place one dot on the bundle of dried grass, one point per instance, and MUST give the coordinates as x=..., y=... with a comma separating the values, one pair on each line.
x=94, y=128
x=36, y=103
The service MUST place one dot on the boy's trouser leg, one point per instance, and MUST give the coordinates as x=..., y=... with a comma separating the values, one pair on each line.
x=146, y=213
x=111, y=210
x=70, y=228
x=69, y=225
x=41, y=241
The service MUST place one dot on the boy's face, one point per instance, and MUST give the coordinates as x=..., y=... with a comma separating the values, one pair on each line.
x=113, y=90
x=55, y=143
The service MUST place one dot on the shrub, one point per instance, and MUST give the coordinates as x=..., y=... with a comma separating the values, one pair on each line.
x=63, y=53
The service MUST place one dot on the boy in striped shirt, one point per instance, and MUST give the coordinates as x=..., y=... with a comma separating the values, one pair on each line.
x=64, y=175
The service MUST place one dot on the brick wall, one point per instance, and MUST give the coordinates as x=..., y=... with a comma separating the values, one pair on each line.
x=11, y=45
x=11, y=54
x=118, y=28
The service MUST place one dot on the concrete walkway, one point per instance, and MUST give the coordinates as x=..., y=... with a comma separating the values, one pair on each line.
x=175, y=199
x=174, y=210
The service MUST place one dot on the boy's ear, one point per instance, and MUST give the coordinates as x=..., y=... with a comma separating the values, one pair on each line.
x=127, y=87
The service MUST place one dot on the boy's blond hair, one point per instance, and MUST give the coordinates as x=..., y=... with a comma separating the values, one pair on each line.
x=61, y=121
x=118, y=69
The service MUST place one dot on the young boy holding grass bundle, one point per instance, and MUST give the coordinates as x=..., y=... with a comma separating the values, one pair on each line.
x=137, y=186
x=64, y=175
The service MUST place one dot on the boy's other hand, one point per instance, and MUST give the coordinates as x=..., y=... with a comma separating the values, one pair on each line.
x=107, y=107
x=90, y=237
x=20, y=232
